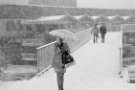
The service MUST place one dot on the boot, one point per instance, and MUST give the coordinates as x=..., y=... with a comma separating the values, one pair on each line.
x=61, y=89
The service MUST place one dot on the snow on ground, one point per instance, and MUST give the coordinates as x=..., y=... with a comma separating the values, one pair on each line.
x=96, y=68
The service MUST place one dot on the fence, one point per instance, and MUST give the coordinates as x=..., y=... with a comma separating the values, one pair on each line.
x=44, y=56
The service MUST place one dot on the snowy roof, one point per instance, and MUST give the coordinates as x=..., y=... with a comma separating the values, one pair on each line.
x=125, y=17
x=117, y=19
x=78, y=17
x=110, y=17
x=102, y=18
x=95, y=17
x=47, y=19
x=51, y=18
x=131, y=19
x=99, y=18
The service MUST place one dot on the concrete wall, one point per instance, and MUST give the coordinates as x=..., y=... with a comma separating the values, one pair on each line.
x=14, y=2
x=59, y=3
x=30, y=12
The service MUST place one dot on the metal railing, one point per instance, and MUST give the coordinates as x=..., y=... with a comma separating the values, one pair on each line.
x=44, y=57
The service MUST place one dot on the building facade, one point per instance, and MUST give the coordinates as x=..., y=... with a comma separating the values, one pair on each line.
x=59, y=3
x=17, y=2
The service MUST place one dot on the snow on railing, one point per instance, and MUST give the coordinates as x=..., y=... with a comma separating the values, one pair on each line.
x=45, y=45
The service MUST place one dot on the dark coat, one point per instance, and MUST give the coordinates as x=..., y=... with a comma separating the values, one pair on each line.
x=103, y=29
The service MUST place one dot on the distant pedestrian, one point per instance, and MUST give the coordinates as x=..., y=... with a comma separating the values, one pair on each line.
x=103, y=31
x=95, y=33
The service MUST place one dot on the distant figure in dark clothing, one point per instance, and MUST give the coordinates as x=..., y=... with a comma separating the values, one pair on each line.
x=95, y=33
x=103, y=31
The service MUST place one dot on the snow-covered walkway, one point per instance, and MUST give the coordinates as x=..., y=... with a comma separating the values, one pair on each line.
x=97, y=67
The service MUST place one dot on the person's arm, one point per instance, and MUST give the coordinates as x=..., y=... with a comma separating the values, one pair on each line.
x=57, y=48
x=67, y=47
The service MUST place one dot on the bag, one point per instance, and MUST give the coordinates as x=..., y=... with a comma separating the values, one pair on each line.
x=71, y=63
x=67, y=58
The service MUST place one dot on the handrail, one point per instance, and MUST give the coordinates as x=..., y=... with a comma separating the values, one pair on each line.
x=40, y=47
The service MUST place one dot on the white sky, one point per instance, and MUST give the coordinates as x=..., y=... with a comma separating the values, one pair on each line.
x=113, y=4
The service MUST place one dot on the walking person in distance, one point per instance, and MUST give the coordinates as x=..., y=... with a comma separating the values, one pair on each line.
x=95, y=33
x=103, y=31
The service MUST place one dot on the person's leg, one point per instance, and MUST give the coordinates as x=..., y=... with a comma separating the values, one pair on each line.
x=94, y=38
x=102, y=37
x=60, y=80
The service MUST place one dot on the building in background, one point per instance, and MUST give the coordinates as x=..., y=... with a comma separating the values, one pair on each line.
x=18, y=2
x=59, y=3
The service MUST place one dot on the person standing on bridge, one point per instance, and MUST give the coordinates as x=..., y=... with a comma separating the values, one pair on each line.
x=62, y=57
x=57, y=64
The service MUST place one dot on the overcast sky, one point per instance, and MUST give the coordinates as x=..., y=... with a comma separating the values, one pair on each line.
x=114, y=4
